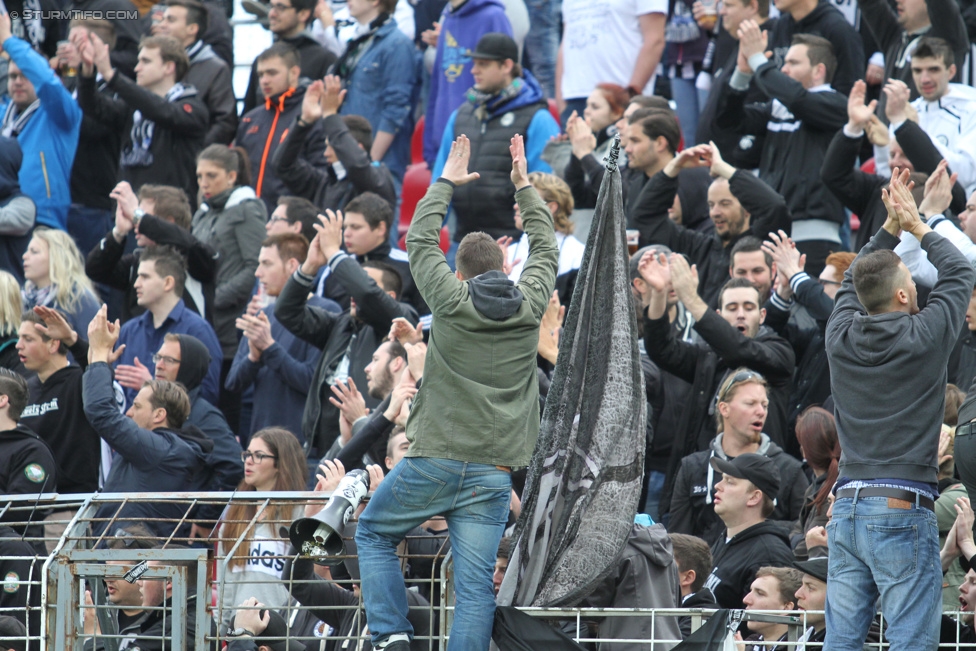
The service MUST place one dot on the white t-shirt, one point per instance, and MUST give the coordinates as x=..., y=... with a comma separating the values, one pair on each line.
x=601, y=41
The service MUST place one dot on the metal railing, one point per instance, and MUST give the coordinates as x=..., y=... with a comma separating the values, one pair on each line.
x=78, y=587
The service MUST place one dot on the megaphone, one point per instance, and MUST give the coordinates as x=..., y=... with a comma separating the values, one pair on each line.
x=321, y=536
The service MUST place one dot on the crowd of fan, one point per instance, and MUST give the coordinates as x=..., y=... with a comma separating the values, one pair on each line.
x=271, y=337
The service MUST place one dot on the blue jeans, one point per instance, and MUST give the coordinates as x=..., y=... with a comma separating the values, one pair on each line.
x=686, y=102
x=655, y=487
x=892, y=552
x=542, y=43
x=474, y=499
x=87, y=226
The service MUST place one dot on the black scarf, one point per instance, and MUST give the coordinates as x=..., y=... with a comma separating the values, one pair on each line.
x=357, y=46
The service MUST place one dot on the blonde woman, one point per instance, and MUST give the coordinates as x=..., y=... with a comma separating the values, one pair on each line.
x=11, y=307
x=555, y=192
x=56, y=278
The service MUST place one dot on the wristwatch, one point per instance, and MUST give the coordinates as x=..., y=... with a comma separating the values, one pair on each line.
x=240, y=632
x=138, y=214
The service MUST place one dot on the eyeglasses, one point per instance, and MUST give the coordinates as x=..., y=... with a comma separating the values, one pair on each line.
x=277, y=6
x=825, y=282
x=738, y=378
x=275, y=220
x=170, y=361
x=257, y=456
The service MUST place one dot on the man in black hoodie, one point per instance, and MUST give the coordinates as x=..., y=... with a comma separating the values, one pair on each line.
x=185, y=359
x=744, y=499
x=156, y=449
x=288, y=21
x=264, y=127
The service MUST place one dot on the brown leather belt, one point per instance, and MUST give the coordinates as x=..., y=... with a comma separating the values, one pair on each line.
x=885, y=491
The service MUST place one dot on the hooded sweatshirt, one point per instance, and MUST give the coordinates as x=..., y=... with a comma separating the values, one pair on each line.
x=212, y=78
x=17, y=211
x=225, y=457
x=736, y=560
x=645, y=576
x=451, y=78
x=692, y=511
x=315, y=64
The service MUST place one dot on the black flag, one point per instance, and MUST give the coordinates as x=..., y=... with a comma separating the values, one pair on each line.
x=583, y=485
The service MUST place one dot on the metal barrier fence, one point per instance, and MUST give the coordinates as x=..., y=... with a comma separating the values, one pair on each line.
x=79, y=569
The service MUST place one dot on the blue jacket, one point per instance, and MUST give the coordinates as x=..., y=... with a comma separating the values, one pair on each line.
x=281, y=378
x=382, y=88
x=161, y=460
x=541, y=129
x=142, y=340
x=451, y=77
x=49, y=139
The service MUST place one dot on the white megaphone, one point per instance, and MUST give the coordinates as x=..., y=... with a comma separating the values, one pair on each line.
x=321, y=536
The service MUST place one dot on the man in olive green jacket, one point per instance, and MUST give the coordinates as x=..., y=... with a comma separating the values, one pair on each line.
x=476, y=415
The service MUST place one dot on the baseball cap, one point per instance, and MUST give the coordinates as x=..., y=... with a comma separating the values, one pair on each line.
x=12, y=628
x=277, y=627
x=815, y=567
x=496, y=47
x=757, y=468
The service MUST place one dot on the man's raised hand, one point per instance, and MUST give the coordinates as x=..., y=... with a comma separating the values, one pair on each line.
x=898, y=95
x=333, y=96
x=859, y=113
x=787, y=258
x=655, y=269
x=938, y=191
x=312, y=102
x=684, y=278
x=456, y=166
x=329, y=233
x=520, y=174
x=698, y=156
x=752, y=40
x=55, y=326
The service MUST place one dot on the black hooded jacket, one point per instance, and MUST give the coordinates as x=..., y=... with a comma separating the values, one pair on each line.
x=224, y=459
x=17, y=211
x=315, y=64
x=736, y=560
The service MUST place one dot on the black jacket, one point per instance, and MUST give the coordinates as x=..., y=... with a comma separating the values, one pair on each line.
x=701, y=599
x=315, y=63
x=396, y=259
x=108, y=264
x=18, y=561
x=55, y=411
x=96, y=168
x=828, y=22
x=860, y=192
x=262, y=131
x=341, y=609
x=692, y=511
x=897, y=45
x=156, y=631
x=768, y=213
x=812, y=384
x=736, y=561
x=180, y=128
x=26, y=463
x=211, y=76
x=321, y=186
x=18, y=213
x=337, y=335
x=705, y=367
x=962, y=361
x=798, y=125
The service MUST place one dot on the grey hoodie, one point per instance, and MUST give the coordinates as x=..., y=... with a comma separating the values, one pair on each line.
x=888, y=371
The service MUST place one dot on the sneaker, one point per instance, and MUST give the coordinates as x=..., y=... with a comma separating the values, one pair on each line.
x=399, y=645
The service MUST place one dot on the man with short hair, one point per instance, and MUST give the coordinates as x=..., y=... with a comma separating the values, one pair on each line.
x=293, y=215
x=743, y=500
x=694, y=561
x=350, y=168
x=798, y=123
x=156, y=633
x=879, y=341
x=469, y=424
x=186, y=21
x=748, y=260
x=278, y=364
x=742, y=407
x=165, y=121
x=160, y=216
x=504, y=101
x=734, y=336
x=45, y=121
x=812, y=596
x=159, y=287
x=264, y=127
x=288, y=21
x=739, y=205
x=773, y=589
x=154, y=451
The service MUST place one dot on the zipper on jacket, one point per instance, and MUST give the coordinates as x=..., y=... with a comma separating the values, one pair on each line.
x=264, y=156
x=47, y=181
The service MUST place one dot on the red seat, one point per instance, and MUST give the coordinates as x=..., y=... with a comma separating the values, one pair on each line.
x=869, y=167
x=554, y=110
x=416, y=180
x=444, y=244
x=417, y=142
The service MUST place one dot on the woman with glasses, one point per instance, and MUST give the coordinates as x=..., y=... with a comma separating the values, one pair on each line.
x=273, y=461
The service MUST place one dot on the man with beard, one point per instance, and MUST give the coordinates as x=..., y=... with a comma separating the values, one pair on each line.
x=739, y=205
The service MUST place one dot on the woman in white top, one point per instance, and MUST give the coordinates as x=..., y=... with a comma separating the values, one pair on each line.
x=555, y=192
x=273, y=461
